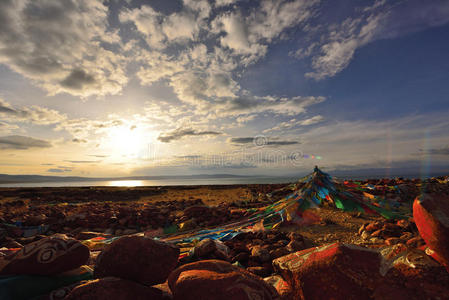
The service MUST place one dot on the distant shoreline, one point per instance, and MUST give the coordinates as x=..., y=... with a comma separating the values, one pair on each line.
x=177, y=180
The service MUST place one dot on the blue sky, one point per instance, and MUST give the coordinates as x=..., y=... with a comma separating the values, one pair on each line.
x=115, y=88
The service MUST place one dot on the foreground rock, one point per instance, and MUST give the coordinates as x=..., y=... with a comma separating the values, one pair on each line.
x=218, y=280
x=412, y=274
x=337, y=271
x=137, y=258
x=48, y=256
x=109, y=288
x=282, y=287
x=431, y=214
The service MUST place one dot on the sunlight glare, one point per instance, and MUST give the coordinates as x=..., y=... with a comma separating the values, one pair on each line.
x=125, y=141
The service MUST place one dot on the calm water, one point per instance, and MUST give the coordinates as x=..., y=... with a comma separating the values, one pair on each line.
x=131, y=183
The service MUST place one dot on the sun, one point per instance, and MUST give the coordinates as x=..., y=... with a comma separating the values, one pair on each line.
x=126, y=141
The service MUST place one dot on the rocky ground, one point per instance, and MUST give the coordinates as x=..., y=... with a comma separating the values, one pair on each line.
x=342, y=255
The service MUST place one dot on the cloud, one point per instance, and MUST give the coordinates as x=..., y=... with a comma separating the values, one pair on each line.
x=159, y=30
x=261, y=141
x=220, y=3
x=33, y=114
x=77, y=80
x=99, y=156
x=249, y=35
x=76, y=140
x=225, y=165
x=203, y=67
x=438, y=151
x=62, y=46
x=295, y=123
x=311, y=121
x=60, y=169
x=83, y=161
x=19, y=142
x=6, y=127
x=180, y=133
x=284, y=106
x=334, y=45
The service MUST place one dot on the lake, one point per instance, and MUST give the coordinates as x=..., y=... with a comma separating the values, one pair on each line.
x=161, y=182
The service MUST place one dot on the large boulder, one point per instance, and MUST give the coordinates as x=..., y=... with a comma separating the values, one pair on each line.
x=218, y=280
x=137, y=258
x=48, y=256
x=109, y=288
x=431, y=215
x=337, y=271
x=282, y=287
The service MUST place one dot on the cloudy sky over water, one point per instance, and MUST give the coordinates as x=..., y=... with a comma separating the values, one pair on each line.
x=117, y=88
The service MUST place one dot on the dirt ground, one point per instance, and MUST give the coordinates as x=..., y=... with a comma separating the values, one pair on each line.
x=335, y=226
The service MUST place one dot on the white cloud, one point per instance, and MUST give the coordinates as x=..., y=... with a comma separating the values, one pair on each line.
x=221, y=3
x=334, y=45
x=148, y=22
x=202, y=7
x=295, y=123
x=59, y=45
x=180, y=26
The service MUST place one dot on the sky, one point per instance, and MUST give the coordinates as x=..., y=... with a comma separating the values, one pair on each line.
x=270, y=87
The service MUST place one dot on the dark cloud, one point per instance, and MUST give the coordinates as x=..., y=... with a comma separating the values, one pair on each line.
x=61, y=45
x=226, y=165
x=34, y=114
x=76, y=140
x=20, y=142
x=242, y=140
x=77, y=80
x=83, y=161
x=6, y=109
x=261, y=141
x=252, y=104
x=438, y=151
x=180, y=133
x=59, y=170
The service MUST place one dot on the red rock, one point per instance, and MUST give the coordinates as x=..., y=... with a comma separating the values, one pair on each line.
x=403, y=223
x=260, y=254
x=137, y=258
x=361, y=229
x=48, y=256
x=377, y=233
x=295, y=245
x=196, y=211
x=278, y=252
x=420, y=275
x=61, y=293
x=218, y=280
x=204, y=248
x=259, y=271
x=337, y=271
x=431, y=215
x=373, y=226
x=241, y=257
x=86, y=235
x=393, y=241
x=390, y=291
x=415, y=242
x=110, y=288
x=435, y=256
x=282, y=287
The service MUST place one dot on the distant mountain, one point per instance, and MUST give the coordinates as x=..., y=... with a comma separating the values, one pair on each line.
x=5, y=178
